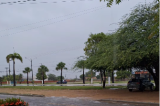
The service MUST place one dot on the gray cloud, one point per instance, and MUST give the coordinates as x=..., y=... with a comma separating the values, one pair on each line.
x=55, y=37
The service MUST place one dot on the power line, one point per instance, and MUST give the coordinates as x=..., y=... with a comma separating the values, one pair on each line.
x=51, y=23
x=49, y=19
x=34, y=2
x=54, y=52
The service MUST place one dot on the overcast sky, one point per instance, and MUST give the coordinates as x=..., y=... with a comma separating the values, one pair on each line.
x=61, y=37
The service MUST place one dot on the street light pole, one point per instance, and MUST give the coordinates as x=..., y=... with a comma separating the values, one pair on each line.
x=6, y=71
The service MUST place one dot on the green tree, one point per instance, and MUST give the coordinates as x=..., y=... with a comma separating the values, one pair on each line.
x=136, y=50
x=131, y=46
x=122, y=74
x=98, y=76
x=80, y=64
x=59, y=78
x=52, y=77
x=27, y=70
x=13, y=57
x=90, y=73
x=20, y=78
x=93, y=58
x=1, y=79
x=41, y=75
x=110, y=2
x=81, y=76
x=61, y=66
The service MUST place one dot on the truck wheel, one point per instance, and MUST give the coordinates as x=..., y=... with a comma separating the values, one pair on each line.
x=151, y=87
x=130, y=90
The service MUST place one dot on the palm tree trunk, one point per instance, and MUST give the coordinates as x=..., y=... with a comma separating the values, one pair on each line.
x=27, y=79
x=61, y=76
x=83, y=76
x=14, y=73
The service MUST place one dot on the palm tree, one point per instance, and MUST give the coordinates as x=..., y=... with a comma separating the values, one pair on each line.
x=80, y=64
x=13, y=57
x=27, y=70
x=42, y=71
x=61, y=66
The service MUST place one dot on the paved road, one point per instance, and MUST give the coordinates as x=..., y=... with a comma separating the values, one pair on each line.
x=63, y=101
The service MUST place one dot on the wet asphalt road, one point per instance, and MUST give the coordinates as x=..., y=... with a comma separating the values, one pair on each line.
x=63, y=101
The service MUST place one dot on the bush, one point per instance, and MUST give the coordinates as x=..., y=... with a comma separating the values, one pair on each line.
x=13, y=102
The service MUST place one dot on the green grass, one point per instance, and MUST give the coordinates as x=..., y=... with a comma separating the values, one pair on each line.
x=61, y=87
x=120, y=81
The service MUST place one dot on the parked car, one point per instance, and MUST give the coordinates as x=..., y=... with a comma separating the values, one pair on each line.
x=63, y=82
x=139, y=84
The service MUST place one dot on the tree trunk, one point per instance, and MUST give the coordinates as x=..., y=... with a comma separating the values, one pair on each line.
x=61, y=76
x=83, y=76
x=43, y=77
x=112, y=76
x=104, y=79
x=101, y=74
x=149, y=76
x=155, y=77
x=27, y=79
x=9, y=72
x=14, y=73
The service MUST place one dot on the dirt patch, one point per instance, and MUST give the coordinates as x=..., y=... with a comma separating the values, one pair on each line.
x=118, y=94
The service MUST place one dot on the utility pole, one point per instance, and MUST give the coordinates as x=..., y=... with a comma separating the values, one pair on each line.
x=31, y=68
x=14, y=73
x=32, y=71
x=6, y=71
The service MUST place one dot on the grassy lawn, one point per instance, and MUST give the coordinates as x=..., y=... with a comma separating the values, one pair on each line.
x=121, y=82
x=61, y=87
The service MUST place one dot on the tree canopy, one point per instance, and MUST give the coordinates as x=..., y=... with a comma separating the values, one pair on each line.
x=52, y=77
x=42, y=69
x=110, y=2
x=129, y=46
x=13, y=57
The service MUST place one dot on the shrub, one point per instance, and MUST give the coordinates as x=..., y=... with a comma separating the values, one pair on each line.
x=13, y=102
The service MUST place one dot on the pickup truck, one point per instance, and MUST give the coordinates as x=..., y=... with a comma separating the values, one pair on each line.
x=139, y=84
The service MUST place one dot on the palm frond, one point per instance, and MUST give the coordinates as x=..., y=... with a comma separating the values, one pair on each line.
x=8, y=57
x=61, y=65
x=17, y=56
x=27, y=70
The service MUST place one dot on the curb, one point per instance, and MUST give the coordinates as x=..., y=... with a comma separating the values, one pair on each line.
x=149, y=103
x=31, y=95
